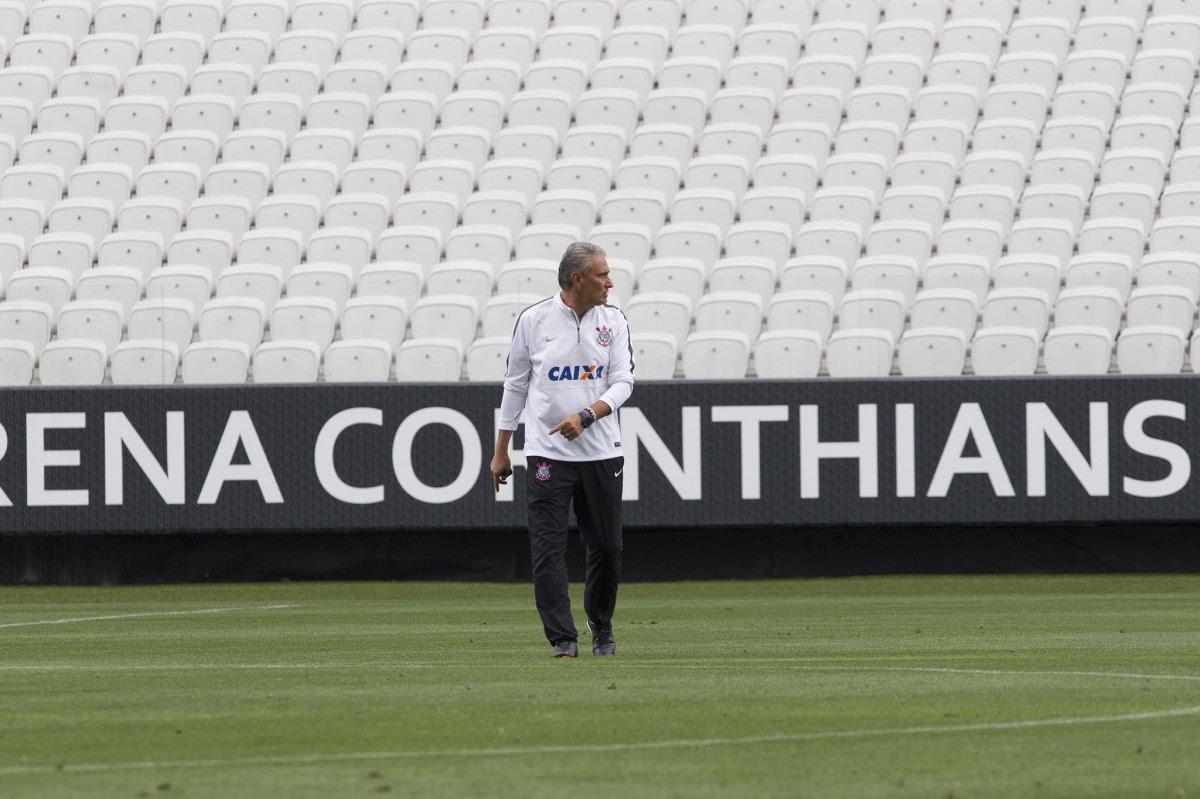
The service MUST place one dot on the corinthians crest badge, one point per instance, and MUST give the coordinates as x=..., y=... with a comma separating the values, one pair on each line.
x=543, y=472
x=603, y=336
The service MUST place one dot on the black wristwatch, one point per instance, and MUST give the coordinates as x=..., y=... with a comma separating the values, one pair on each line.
x=587, y=416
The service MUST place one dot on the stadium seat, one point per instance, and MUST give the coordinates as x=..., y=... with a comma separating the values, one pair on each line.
x=660, y=312
x=263, y=282
x=1005, y=351
x=750, y=273
x=398, y=279
x=1078, y=350
x=445, y=316
x=215, y=363
x=1100, y=269
x=348, y=246
x=397, y=15
x=1170, y=269
x=699, y=240
x=859, y=352
x=144, y=362
x=73, y=362
x=953, y=308
x=304, y=318
x=1169, y=306
x=64, y=150
x=960, y=271
x=96, y=320
x=1027, y=308
x=328, y=279
x=896, y=273
x=30, y=321
x=190, y=283
x=788, y=354
x=46, y=284
x=141, y=250
x=487, y=359
x=357, y=361
x=162, y=319
x=655, y=354
x=239, y=319
x=1029, y=270
x=931, y=352
x=286, y=361
x=429, y=360
x=473, y=279
x=873, y=309
x=1090, y=306
x=17, y=361
x=319, y=48
x=808, y=311
x=73, y=252
x=718, y=354
x=680, y=275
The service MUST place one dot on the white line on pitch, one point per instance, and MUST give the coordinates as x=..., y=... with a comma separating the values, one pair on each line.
x=142, y=615
x=1002, y=672
x=400, y=666
x=596, y=748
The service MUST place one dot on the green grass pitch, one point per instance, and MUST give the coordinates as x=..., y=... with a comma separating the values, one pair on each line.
x=1031, y=686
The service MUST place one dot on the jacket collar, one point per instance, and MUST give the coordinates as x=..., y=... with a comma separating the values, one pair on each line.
x=558, y=300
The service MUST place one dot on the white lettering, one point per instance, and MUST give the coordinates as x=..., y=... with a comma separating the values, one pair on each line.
x=472, y=455
x=517, y=456
x=323, y=456
x=906, y=449
x=120, y=434
x=240, y=427
x=1041, y=425
x=750, y=417
x=970, y=423
x=37, y=458
x=5, y=502
x=1175, y=455
x=685, y=477
x=813, y=451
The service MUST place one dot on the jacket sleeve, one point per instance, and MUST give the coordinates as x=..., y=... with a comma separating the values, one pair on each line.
x=620, y=368
x=516, y=377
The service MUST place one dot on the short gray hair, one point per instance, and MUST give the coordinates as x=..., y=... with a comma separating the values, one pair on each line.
x=579, y=257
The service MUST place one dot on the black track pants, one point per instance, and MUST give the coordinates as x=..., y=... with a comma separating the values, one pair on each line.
x=595, y=488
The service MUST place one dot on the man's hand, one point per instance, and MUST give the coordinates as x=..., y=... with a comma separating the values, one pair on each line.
x=571, y=427
x=501, y=470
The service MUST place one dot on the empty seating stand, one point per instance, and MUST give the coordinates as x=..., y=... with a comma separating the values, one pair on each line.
x=785, y=191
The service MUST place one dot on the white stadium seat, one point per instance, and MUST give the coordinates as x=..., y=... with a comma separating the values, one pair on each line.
x=1078, y=350
x=17, y=362
x=358, y=361
x=215, y=363
x=1005, y=351
x=716, y=355
x=860, y=352
x=932, y=352
x=73, y=362
x=286, y=361
x=139, y=362
x=429, y=360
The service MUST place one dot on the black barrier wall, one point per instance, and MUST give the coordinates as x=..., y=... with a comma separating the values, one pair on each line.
x=747, y=453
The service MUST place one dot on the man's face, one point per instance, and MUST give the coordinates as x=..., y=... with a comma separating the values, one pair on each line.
x=594, y=285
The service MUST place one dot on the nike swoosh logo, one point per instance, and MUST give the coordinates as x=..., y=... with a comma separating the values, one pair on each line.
x=551, y=338
x=618, y=474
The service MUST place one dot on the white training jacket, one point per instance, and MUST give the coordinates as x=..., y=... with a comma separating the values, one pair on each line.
x=560, y=364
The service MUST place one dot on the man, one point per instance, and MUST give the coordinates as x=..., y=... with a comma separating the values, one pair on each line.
x=570, y=367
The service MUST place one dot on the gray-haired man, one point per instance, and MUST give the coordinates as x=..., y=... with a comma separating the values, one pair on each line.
x=570, y=367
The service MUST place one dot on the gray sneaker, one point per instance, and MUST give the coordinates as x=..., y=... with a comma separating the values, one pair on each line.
x=603, y=643
x=565, y=649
